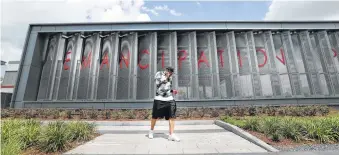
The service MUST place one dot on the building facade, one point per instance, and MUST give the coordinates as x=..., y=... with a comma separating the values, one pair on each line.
x=112, y=65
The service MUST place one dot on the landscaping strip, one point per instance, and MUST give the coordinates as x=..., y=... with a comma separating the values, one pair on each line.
x=245, y=135
x=18, y=136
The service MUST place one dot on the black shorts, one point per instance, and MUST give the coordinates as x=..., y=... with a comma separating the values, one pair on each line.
x=163, y=109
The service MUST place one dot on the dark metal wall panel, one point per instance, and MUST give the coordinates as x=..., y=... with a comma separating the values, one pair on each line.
x=327, y=55
x=324, y=63
x=194, y=63
x=244, y=65
x=224, y=66
x=95, y=68
x=89, y=62
x=48, y=68
x=107, y=68
x=126, y=77
x=214, y=65
x=234, y=63
x=291, y=63
x=205, y=75
x=145, y=73
x=174, y=59
x=68, y=68
x=264, y=63
x=184, y=66
x=308, y=60
x=281, y=64
x=257, y=90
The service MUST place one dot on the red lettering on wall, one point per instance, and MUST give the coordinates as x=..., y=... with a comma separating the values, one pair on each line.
x=282, y=59
x=86, y=61
x=265, y=57
x=126, y=60
x=68, y=59
x=221, y=57
x=140, y=65
x=163, y=59
x=239, y=58
x=335, y=52
x=182, y=57
x=203, y=59
x=105, y=61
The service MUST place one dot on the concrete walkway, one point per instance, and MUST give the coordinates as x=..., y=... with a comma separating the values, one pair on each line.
x=196, y=138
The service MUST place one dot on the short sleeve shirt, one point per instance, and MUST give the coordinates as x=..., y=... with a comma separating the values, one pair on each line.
x=163, y=87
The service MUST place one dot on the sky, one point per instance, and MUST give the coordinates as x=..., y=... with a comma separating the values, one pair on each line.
x=17, y=14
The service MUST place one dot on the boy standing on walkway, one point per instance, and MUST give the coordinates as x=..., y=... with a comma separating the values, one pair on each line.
x=164, y=104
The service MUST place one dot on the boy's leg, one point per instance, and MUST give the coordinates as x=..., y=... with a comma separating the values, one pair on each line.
x=171, y=126
x=172, y=136
x=153, y=121
x=150, y=134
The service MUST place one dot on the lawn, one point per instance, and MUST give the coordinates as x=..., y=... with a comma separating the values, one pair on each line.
x=29, y=136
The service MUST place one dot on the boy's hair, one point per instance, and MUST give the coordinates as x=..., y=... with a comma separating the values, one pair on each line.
x=170, y=69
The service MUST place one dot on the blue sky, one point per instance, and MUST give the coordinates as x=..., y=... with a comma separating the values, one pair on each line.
x=215, y=10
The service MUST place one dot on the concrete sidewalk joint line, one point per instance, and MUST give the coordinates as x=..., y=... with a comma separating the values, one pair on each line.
x=238, y=131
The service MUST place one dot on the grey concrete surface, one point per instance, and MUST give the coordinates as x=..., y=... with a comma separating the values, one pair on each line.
x=195, y=139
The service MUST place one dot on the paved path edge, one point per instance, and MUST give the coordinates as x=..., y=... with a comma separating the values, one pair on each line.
x=238, y=131
x=137, y=123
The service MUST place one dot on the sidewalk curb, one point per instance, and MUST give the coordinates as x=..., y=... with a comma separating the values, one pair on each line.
x=238, y=131
x=140, y=123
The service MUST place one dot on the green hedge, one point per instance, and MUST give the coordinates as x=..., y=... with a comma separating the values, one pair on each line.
x=18, y=135
x=321, y=129
x=142, y=114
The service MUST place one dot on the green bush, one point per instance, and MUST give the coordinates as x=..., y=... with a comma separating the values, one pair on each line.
x=17, y=135
x=11, y=146
x=30, y=132
x=321, y=129
x=54, y=137
x=80, y=131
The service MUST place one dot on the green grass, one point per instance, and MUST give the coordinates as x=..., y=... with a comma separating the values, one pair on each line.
x=18, y=135
x=320, y=129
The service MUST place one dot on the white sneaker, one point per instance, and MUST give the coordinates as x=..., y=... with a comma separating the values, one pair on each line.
x=150, y=134
x=173, y=137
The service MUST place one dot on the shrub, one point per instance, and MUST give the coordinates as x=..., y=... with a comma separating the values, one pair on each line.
x=252, y=111
x=117, y=114
x=93, y=114
x=215, y=113
x=30, y=132
x=11, y=146
x=292, y=128
x=202, y=112
x=130, y=114
x=321, y=129
x=80, y=131
x=5, y=113
x=54, y=137
x=252, y=124
x=186, y=112
x=237, y=122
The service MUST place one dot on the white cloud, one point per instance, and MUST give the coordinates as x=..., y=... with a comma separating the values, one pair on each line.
x=174, y=13
x=162, y=8
x=150, y=10
x=16, y=15
x=303, y=10
x=198, y=3
x=165, y=8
